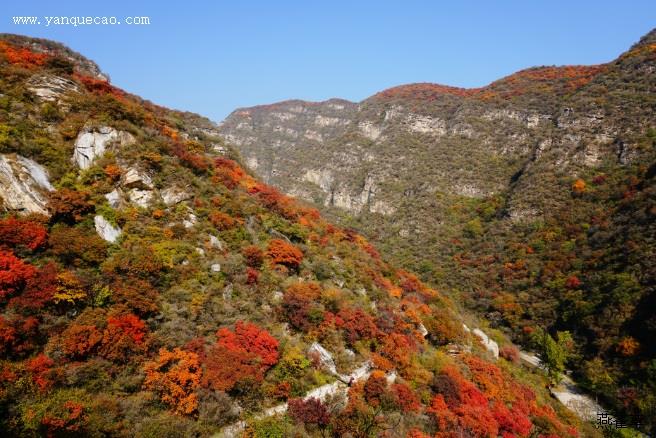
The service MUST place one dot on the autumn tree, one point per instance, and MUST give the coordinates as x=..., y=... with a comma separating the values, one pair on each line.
x=18, y=231
x=175, y=375
x=254, y=256
x=300, y=305
x=14, y=274
x=78, y=341
x=309, y=411
x=242, y=355
x=283, y=253
x=69, y=206
x=124, y=336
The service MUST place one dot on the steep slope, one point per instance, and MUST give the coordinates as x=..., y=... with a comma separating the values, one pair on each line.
x=530, y=198
x=149, y=286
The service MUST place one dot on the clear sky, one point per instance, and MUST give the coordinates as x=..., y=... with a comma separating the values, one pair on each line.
x=214, y=56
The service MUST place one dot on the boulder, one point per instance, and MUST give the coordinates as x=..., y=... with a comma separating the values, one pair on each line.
x=134, y=178
x=24, y=185
x=174, y=195
x=115, y=198
x=215, y=267
x=93, y=142
x=140, y=197
x=106, y=230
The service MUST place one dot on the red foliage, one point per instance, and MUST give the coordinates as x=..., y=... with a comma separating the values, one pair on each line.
x=282, y=253
x=375, y=387
x=39, y=289
x=405, y=398
x=14, y=274
x=297, y=303
x=310, y=411
x=357, y=324
x=22, y=56
x=573, y=282
x=99, y=86
x=78, y=341
x=40, y=368
x=511, y=421
x=124, y=336
x=67, y=421
x=18, y=231
x=195, y=161
x=254, y=256
x=510, y=353
x=17, y=334
x=275, y=201
x=252, y=275
x=244, y=354
x=8, y=336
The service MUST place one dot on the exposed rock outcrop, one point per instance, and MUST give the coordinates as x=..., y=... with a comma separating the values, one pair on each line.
x=323, y=356
x=93, y=142
x=51, y=88
x=24, y=185
x=488, y=343
x=106, y=230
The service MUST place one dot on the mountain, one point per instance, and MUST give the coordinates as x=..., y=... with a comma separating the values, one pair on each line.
x=151, y=286
x=531, y=199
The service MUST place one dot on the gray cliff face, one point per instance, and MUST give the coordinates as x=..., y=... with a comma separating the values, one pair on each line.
x=396, y=163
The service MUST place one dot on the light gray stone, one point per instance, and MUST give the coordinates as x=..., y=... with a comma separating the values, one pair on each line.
x=106, y=230
x=24, y=185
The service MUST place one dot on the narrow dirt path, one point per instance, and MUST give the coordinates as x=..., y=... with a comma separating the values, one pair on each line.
x=321, y=393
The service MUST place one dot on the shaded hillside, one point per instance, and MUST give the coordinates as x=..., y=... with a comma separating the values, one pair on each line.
x=149, y=286
x=502, y=195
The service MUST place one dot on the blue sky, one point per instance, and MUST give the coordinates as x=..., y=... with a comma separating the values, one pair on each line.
x=212, y=57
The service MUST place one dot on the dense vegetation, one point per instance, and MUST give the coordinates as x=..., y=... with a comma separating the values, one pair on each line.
x=530, y=199
x=202, y=312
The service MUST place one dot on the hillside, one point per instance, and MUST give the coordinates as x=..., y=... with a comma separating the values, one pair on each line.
x=150, y=286
x=531, y=199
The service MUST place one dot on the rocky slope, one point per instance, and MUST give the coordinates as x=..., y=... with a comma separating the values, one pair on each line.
x=150, y=286
x=531, y=198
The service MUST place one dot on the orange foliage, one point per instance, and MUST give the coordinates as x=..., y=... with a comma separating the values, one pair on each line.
x=175, y=375
x=578, y=186
x=282, y=253
x=18, y=231
x=78, y=341
x=221, y=220
x=628, y=346
x=227, y=172
x=112, y=171
x=275, y=201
